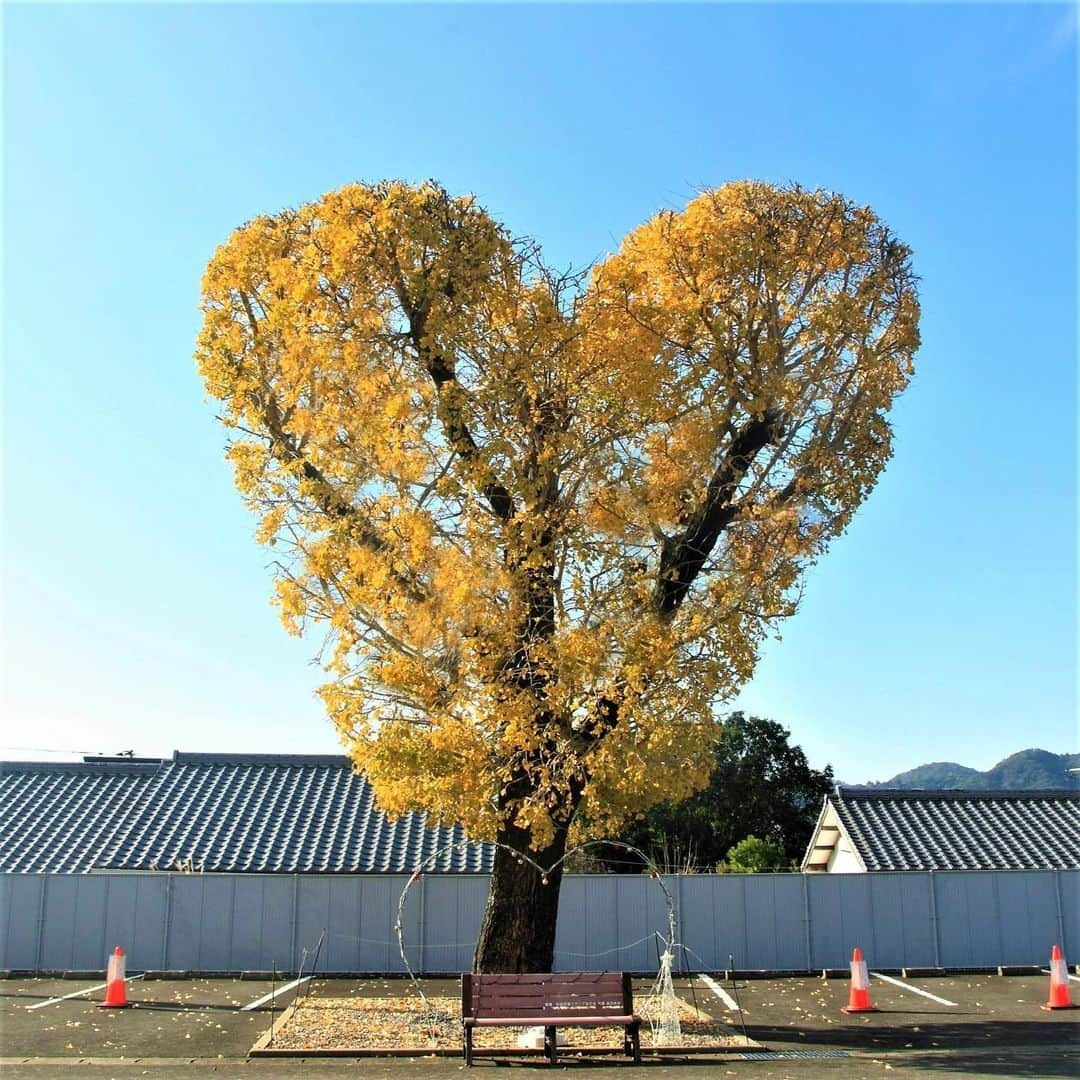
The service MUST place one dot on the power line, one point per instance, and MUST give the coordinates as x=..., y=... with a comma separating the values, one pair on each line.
x=47, y=750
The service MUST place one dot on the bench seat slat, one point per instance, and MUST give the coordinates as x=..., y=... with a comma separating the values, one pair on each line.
x=544, y=989
x=547, y=1001
x=553, y=1021
x=557, y=997
x=510, y=1010
x=583, y=1007
x=613, y=977
x=551, y=995
x=551, y=991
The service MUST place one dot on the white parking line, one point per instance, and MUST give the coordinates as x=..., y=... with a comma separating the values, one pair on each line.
x=273, y=993
x=914, y=989
x=1075, y=978
x=77, y=993
x=719, y=991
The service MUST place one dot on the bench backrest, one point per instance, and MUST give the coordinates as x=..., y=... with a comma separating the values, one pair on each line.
x=589, y=993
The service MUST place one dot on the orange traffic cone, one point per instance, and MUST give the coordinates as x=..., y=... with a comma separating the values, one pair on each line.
x=115, y=992
x=1059, y=983
x=859, y=995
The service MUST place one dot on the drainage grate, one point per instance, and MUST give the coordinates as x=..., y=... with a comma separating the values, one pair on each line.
x=785, y=1055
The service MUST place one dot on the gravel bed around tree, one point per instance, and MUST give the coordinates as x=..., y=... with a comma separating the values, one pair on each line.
x=404, y=1023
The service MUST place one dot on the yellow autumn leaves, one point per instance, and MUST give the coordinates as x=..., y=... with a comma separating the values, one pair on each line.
x=546, y=520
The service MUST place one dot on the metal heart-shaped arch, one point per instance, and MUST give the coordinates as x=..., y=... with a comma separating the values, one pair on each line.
x=426, y=864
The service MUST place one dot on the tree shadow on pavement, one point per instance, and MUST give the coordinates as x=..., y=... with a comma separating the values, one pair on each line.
x=1011, y=1063
x=975, y=1034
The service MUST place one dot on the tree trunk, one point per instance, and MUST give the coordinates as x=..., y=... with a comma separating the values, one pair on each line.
x=517, y=933
x=518, y=930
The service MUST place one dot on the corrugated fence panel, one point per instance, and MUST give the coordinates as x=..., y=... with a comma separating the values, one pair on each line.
x=640, y=911
x=654, y=919
x=311, y=917
x=73, y=934
x=602, y=930
x=200, y=922
x=410, y=921
x=453, y=907
x=570, y=941
x=1069, y=892
x=1029, y=926
x=728, y=903
x=219, y=922
x=358, y=915
x=352, y=907
x=21, y=909
x=134, y=917
x=903, y=934
x=830, y=940
x=381, y=902
x=610, y=922
x=587, y=936
x=969, y=919
x=699, y=906
x=262, y=924
x=773, y=914
x=841, y=914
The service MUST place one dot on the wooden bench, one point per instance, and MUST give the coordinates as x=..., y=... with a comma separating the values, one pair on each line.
x=553, y=1001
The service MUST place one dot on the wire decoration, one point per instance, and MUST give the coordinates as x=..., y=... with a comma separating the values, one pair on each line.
x=523, y=859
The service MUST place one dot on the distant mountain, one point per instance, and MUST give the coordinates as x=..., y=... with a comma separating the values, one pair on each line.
x=1027, y=769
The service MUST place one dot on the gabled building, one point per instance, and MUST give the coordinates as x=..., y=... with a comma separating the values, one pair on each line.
x=876, y=829
x=215, y=813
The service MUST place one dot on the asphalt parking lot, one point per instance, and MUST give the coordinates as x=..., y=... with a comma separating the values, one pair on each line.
x=970, y=1025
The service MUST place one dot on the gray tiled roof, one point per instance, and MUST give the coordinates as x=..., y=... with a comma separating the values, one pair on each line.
x=53, y=816
x=214, y=812
x=962, y=830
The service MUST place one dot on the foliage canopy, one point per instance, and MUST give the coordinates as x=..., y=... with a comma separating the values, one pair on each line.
x=548, y=518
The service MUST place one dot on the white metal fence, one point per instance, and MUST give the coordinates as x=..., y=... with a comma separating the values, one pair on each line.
x=247, y=922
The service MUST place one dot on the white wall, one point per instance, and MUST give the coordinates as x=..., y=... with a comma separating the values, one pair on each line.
x=843, y=859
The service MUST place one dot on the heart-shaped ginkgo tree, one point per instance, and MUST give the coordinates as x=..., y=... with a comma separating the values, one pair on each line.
x=547, y=519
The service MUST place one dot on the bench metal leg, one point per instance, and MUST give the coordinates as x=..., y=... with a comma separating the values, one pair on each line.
x=468, y=1046
x=550, y=1045
x=635, y=1044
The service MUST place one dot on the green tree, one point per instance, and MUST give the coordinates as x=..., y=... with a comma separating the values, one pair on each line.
x=756, y=856
x=760, y=785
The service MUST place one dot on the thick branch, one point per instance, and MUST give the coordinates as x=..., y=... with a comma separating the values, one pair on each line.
x=452, y=415
x=284, y=448
x=682, y=556
x=604, y=719
x=452, y=404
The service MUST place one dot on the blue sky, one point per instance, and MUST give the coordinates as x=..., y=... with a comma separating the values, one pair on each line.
x=942, y=626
